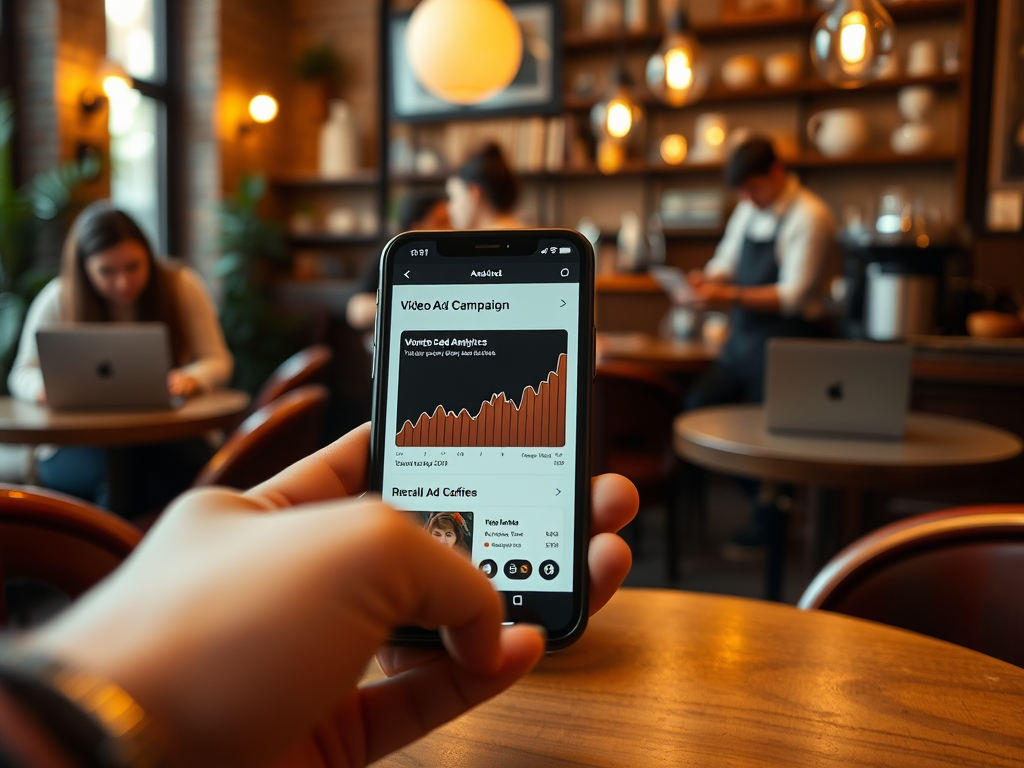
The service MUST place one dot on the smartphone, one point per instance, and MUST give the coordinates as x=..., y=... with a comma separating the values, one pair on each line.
x=483, y=365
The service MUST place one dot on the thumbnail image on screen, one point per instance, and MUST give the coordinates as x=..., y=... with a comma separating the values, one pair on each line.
x=482, y=388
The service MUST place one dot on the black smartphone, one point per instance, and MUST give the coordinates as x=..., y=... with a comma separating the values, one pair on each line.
x=483, y=365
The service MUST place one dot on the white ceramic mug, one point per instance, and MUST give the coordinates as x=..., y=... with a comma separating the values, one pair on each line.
x=709, y=138
x=838, y=132
x=922, y=58
x=911, y=138
x=915, y=102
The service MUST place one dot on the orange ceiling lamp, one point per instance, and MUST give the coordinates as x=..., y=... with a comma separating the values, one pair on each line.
x=464, y=51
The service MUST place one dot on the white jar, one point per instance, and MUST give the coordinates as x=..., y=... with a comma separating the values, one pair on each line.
x=339, y=143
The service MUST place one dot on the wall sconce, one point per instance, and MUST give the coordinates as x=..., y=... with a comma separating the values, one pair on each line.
x=115, y=83
x=263, y=108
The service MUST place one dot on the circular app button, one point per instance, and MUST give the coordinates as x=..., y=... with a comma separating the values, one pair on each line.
x=489, y=568
x=565, y=272
x=548, y=569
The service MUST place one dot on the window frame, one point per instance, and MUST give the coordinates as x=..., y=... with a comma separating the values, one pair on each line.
x=167, y=25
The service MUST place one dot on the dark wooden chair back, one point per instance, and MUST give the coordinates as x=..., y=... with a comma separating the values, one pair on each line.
x=304, y=367
x=59, y=540
x=631, y=429
x=957, y=575
x=274, y=437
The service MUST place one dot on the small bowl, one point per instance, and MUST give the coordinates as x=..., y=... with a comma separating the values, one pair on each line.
x=994, y=325
x=741, y=72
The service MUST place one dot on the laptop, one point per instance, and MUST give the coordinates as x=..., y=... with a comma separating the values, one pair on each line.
x=840, y=388
x=105, y=365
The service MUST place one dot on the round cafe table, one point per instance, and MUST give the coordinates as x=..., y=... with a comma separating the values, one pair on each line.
x=23, y=423
x=664, y=678
x=936, y=451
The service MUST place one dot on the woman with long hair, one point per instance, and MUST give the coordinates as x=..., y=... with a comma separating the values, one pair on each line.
x=109, y=274
x=483, y=192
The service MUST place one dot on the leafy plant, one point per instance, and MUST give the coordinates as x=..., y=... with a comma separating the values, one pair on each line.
x=318, y=63
x=259, y=335
x=25, y=215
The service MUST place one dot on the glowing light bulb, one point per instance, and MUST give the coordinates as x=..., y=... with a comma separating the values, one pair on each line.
x=852, y=44
x=714, y=135
x=678, y=72
x=116, y=86
x=853, y=35
x=673, y=149
x=620, y=119
x=263, y=108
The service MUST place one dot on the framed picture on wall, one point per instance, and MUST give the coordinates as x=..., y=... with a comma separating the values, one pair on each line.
x=536, y=88
x=1006, y=145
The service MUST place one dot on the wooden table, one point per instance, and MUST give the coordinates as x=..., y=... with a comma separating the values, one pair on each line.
x=937, y=451
x=676, y=679
x=35, y=425
x=670, y=355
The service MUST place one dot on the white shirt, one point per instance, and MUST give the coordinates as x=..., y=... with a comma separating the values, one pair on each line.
x=211, y=367
x=803, y=250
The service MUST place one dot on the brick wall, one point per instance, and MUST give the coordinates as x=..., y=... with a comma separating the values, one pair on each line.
x=254, y=59
x=37, y=73
x=350, y=26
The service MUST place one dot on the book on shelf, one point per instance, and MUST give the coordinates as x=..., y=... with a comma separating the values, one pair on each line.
x=530, y=144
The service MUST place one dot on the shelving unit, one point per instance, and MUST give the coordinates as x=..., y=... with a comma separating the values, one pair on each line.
x=558, y=198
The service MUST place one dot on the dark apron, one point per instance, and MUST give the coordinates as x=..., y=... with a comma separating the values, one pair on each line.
x=745, y=351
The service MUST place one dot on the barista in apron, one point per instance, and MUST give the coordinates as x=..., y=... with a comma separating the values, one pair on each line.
x=769, y=272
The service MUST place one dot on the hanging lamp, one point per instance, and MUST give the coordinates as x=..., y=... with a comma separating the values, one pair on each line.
x=464, y=51
x=676, y=73
x=851, y=44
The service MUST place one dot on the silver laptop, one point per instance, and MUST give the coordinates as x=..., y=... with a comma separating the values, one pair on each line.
x=841, y=388
x=105, y=365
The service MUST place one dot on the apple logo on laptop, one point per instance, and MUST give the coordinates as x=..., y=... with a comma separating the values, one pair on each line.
x=835, y=392
x=104, y=370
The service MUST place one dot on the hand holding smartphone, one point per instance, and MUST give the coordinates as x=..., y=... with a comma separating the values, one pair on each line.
x=483, y=363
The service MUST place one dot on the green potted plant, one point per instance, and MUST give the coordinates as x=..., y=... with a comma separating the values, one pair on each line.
x=27, y=214
x=318, y=65
x=258, y=334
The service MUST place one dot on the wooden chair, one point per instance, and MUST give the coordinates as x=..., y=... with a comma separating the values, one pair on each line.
x=633, y=409
x=274, y=437
x=304, y=367
x=59, y=540
x=957, y=575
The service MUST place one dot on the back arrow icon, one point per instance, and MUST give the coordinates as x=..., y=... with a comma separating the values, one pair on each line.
x=407, y=272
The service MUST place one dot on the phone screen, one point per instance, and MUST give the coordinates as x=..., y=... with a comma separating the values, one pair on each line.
x=480, y=434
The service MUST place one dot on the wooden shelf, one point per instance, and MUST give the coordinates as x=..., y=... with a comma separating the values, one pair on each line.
x=326, y=240
x=810, y=87
x=364, y=178
x=814, y=160
x=911, y=10
x=578, y=40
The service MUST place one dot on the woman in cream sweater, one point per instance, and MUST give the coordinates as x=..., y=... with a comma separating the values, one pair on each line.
x=109, y=274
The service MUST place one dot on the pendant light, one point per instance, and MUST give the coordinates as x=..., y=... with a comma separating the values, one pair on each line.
x=615, y=118
x=676, y=73
x=464, y=51
x=851, y=44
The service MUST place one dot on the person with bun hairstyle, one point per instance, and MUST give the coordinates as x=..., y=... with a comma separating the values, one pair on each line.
x=109, y=274
x=483, y=192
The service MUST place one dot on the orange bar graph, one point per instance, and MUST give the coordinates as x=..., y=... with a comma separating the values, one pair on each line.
x=538, y=420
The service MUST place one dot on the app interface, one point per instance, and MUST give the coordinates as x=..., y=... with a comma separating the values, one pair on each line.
x=481, y=420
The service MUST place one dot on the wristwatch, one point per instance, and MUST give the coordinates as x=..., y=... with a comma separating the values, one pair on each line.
x=93, y=719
